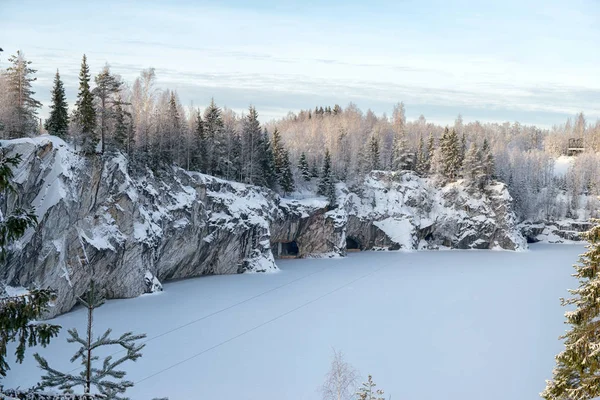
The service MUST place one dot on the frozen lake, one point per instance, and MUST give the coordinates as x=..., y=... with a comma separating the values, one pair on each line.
x=451, y=325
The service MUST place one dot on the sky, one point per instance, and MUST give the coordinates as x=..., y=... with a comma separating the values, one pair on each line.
x=536, y=62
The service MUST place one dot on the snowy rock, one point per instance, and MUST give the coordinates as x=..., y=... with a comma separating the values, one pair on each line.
x=132, y=231
x=129, y=231
x=400, y=210
x=565, y=231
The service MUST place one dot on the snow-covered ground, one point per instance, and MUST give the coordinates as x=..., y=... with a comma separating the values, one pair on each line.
x=452, y=325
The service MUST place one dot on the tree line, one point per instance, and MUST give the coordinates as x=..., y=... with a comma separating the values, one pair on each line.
x=311, y=149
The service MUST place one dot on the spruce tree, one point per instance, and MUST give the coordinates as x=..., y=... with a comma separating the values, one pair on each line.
x=22, y=119
x=327, y=184
x=18, y=313
x=213, y=131
x=421, y=166
x=174, y=141
x=577, y=371
x=269, y=178
x=402, y=158
x=450, y=154
x=430, y=152
x=107, y=87
x=57, y=123
x=121, y=134
x=278, y=153
x=487, y=159
x=463, y=147
x=303, y=167
x=106, y=378
x=85, y=112
x=201, y=157
x=253, y=148
x=286, y=180
x=472, y=169
x=368, y=392
x=374, y=153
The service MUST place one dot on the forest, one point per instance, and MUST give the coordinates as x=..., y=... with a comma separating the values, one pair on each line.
x=327, y=144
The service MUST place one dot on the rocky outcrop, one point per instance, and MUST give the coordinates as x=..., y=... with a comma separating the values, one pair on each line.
x=399, y=210
x=129, y=231
x=133, y=230
x=564, y=231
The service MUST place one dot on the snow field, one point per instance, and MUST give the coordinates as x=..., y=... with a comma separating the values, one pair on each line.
x=427, y=325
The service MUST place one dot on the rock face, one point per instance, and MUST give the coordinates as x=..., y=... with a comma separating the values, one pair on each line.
x=399, y=210
x=132, y=231
x=565, y=231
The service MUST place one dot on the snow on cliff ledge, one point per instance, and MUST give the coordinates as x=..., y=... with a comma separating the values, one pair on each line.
x=98, y=217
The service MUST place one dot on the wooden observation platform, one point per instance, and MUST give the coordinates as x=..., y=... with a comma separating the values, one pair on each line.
x=575, y=146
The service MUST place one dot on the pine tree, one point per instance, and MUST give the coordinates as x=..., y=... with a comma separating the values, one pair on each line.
x=368, y=392
x=286, y=180
x=22, y=120
x=106, y=379
x=85, y=113
x=327, y=184
x=577, y=372
x=18, y=313
x=57, y=123
x=303, y=167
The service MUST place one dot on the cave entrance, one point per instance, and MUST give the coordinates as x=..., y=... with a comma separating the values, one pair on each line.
x=288, y=249
x=352, y=244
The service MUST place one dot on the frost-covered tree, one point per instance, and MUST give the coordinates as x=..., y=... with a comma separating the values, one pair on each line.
x=18, y=313
x=21, y=107
x=122, y=131
x=422, y=159
x=327, y=184
x=278, y=152
x=286, y=180
x=253, y=149
x=213, y=131
x=57, y=123
x=373, y=159
x=577, y=372
x=304, y=168
x=106, y=378
x=472, y=168
x=85, y=112
x=450, y=155
x=402, y=156
x=368, y=392
x=106, y=90
x=267, y=161
x=487, y=161
x=341, y=379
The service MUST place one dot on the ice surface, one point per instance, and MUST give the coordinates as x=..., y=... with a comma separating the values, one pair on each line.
x=452, y=325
